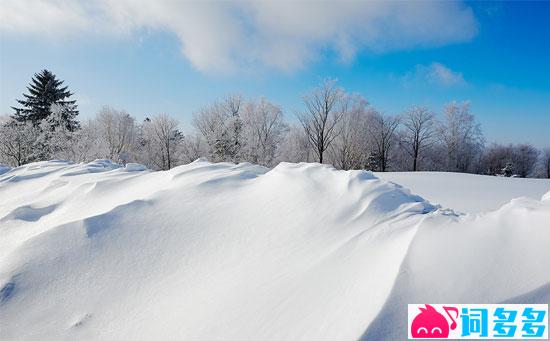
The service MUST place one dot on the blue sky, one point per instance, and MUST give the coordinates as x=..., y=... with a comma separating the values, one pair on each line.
x=156, y=59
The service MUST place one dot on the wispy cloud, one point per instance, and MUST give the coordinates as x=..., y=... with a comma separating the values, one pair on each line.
x=435, y=73
x=226, y=35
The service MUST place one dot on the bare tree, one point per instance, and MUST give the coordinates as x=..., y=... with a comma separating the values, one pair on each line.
x=295, y=146
x=461, y=136
x=320, y=120
x=117, y=131
x=163, y=137
x=209, y=119
x=545, y=162
x=495, y=158
x=418, y=133
x=524, y=159
x=263, y=130
x=381, y=129
x=221, y=125
x=86, y=142
x=232, y=104
x=17, y=142
x=350, y=148
x=194, y=146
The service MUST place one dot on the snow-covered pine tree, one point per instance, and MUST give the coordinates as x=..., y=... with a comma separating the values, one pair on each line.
x=507, y=170
x=57, y=133
x=222, y=127
x=44, y=91
x=373, y=162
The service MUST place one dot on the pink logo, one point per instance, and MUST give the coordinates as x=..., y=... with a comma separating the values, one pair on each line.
x=430, y=324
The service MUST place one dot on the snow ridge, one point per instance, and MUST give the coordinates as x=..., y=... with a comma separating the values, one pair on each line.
x=210, y=251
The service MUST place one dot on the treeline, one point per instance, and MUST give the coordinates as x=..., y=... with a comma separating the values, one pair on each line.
x=333, y=127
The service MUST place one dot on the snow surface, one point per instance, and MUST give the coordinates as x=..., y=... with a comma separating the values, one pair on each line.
x=4, y=169
x=240, y=252
x=468, y=193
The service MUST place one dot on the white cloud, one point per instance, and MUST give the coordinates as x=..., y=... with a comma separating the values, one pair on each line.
x=42, y=17
x=435, y=73
x=440, y=74
x=225, y=35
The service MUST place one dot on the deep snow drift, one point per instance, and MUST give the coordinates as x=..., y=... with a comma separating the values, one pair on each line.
x=468, y=193
x=237, y=252
x=3, y=169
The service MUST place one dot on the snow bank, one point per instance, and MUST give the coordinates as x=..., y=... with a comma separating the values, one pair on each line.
x=468, y=193
x=4, y=169
x=134, y=167
x=221, y=251
x=496, y=257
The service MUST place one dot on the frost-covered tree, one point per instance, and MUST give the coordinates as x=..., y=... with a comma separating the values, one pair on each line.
x=221, y=125
x=230, y=143
x=263, y=129
x=350, y=148
x=44, y=91
x=295, y=146
x=382, y=131
x=57, y=137
x=509, y=159
x=418, y=133
x=117, y=132
x=163, y=139
x=194, y=146
x=524, y=159
x=495, y=158
x=86, y=142
x=17, y=142
x=545, y=162
x=461, y=136
x=322, y=115
x=373, y=162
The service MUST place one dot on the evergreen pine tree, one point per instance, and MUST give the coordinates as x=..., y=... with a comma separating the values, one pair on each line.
x=46, y=90
x=372, y=163
x=507, y=170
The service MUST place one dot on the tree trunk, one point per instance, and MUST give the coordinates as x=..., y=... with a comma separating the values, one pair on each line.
x=168, y=154
x=415, y=158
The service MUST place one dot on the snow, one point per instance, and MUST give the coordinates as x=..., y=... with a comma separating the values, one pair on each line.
x=468, y=193
x=134, y=167
x=4, y=169
x=222, y=251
